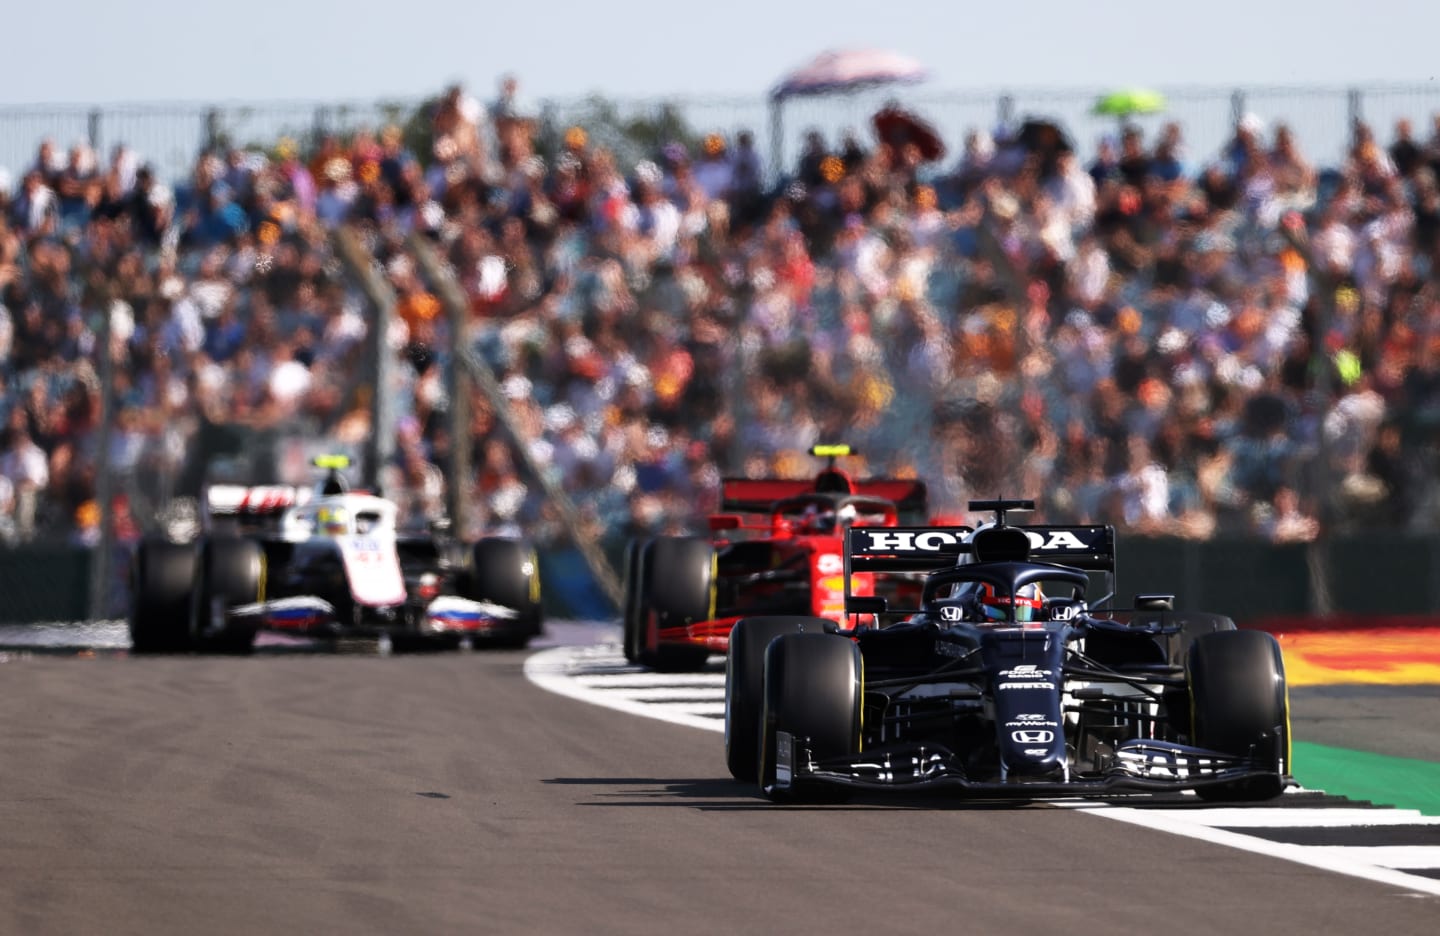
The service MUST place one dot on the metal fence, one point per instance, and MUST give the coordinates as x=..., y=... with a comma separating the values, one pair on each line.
x=170, y=135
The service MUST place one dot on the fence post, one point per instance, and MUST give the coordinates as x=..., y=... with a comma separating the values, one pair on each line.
x=550, y=132
x=92, y=131
x=1004, y=111
x=777, y=138
x=380, y=446
x=211, y=130
x=453, y=298
x=101, y=553
x=1353, y=101
x=1237, y=106
x=321, y=121
x=1322, y=286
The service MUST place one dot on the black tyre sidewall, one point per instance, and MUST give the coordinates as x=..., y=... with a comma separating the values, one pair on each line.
x=498, y=574
x=1239, y=704
x=163, y=580
x=676, y=583
x=745, y=687
x=813, y=689
x=231, y=571
x=630, y=611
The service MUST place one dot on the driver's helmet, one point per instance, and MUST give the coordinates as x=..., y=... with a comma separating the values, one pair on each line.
x=817, y=518
x=994, y=605
x=333, y=521
x=823, y=518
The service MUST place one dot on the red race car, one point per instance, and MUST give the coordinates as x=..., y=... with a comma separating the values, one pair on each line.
x=777, y=549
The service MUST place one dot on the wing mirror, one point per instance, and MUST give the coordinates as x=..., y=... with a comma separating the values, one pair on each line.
x=866, y=604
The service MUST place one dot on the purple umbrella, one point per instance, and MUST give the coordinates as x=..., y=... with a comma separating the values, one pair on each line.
x=836, y=71
x=848, y=70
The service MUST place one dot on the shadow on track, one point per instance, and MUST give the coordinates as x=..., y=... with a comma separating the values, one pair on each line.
x=717, y=794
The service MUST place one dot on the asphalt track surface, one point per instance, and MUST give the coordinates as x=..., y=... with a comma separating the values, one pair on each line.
x=1399, y=721
x=444, y=793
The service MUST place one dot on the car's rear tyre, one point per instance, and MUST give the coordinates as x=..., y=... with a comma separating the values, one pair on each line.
x=745, y=686
x=814, y=689
x=230, y=572
x=162, y=580
x=630, y=613
x=506, y=572
x=677, y=585
x=1239, y=705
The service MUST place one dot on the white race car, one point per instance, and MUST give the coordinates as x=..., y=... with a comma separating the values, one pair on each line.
x=326, y=563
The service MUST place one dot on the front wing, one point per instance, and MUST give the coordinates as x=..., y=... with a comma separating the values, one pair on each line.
x=312, y=615
x=1141, y=766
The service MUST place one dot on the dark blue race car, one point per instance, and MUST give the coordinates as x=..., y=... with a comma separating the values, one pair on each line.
x=1006, y=680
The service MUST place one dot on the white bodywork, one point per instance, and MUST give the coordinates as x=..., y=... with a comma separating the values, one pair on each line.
x=364, y=528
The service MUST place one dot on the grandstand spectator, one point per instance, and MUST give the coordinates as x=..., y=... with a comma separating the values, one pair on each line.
x=77, y=187
x=150, y=207
x=747, y=179
x=1294, y=177
x=34, y=208
x=1121, y=349
x=25, y=466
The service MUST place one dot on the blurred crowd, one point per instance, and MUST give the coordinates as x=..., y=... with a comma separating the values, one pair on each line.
x=1177, y=343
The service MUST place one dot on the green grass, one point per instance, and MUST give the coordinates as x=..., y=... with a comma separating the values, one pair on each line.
x=1392, y=781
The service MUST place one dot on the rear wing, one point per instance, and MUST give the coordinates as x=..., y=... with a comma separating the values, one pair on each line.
x=927, y=549
x=252, y=507
x=758, y=495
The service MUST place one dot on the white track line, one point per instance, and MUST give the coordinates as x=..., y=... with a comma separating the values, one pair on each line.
x=1342, y=860
x=1263, y=817
x=551, y=669
x=572, y=672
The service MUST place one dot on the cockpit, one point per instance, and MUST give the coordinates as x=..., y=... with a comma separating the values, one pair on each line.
x=1004, y=594
x=821, y=514
x=352, y=515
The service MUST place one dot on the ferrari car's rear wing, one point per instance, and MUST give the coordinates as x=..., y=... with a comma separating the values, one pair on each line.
x=758, y=495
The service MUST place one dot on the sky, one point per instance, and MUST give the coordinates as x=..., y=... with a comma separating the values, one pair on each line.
x=103, y=52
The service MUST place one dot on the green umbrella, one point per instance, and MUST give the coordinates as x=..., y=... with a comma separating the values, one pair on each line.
x=1130, y=101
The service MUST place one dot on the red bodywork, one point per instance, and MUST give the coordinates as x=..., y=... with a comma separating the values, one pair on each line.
x=774, y=554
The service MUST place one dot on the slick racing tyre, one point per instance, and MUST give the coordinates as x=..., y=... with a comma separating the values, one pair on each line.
x=506, y=572
x=813, y=692
x=745, y=686
x=162, y=579
x=677, y=585
x=1193, y=625
x=1240, y=705
x=231, y=572
x=630, y=613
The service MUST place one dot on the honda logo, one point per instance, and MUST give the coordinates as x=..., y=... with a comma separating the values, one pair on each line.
x=1032, y=736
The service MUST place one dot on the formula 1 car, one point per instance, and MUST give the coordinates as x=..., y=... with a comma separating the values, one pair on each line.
x=1005, y=680
x=328, y=563
x=683, y=594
